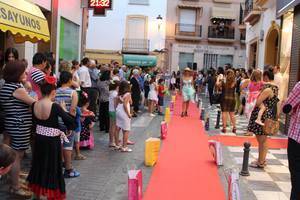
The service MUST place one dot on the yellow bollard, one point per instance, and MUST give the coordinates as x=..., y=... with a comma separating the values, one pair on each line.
x=173, y=98
x=167, y=115
x=152, y=146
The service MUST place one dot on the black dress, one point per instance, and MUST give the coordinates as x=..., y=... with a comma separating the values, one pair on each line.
x=228, y=98
x=135, y=93
x=268, y=114
x=46, y=175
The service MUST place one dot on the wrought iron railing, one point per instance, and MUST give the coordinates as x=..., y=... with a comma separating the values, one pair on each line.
x=221, y=32
x=135, y=45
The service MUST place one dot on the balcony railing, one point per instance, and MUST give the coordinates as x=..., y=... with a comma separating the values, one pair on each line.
x=135, y=46
x=221, y=33
x=252, y=12
x=188, y=31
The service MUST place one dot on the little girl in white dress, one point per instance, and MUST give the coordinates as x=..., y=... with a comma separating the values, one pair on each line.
x=123, y=116
x=152, y=96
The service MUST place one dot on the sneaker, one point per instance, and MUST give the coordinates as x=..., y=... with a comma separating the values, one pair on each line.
x=71, y=173
x=152, y=115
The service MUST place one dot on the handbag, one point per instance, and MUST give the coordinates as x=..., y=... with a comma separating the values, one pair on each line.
x=216, y=97
x=271, y=126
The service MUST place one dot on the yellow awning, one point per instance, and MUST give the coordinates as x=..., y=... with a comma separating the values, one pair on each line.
x=223, y=13
x=24, y=19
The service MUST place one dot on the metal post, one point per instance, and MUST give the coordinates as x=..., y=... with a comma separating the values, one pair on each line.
x=218, y=120
x=207, y=124
x=202, y=114
x=245, y=171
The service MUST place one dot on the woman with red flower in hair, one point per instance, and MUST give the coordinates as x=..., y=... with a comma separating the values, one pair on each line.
x=46, y=175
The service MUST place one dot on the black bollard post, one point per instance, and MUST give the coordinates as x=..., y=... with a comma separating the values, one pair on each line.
x=245, y=171
x=218, y=120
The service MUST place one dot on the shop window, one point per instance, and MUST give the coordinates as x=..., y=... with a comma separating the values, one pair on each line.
x=210, y=61
x=224, y=60
x=185, y=60
x=69, y=40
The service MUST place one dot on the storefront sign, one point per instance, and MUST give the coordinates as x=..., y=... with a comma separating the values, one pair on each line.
x=139, y=60
x=100, y=6
x=24, y=23
x=284, y=5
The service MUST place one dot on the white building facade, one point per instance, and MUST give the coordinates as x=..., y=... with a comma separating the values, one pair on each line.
x=263, y=33
x=131, y=27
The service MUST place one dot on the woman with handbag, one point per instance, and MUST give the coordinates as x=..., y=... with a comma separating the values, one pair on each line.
x=228, y=99
x=269, y=97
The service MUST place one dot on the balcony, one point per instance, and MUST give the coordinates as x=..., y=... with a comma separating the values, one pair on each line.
x=188, y=32
x=218, y=34
x=252, y=12
x=135, y=46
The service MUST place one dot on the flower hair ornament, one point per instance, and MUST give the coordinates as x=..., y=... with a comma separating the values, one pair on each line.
x=85, y=95
x=112, y=82
x=50, y=80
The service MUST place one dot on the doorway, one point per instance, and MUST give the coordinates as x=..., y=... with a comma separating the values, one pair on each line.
x=253, y=55
x=272, y=46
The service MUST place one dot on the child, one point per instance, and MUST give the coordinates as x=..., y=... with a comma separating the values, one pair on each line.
x=68, y=96
x=28, y=87
x=77, y=132
x=113, y=93
x=87, y=123
x=123, y=116
x=152, y=96
x=161, y=93
x=262, y=109
x=46, y=178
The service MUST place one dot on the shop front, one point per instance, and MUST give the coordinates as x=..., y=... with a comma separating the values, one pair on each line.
x=289, y=12
x=21, y=21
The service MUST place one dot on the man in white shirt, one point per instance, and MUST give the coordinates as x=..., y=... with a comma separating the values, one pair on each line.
x=84, y=75
x=122, y=72
x=278, y=80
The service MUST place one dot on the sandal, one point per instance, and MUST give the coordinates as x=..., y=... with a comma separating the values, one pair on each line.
x=118, y=147
x=234, y=130
x=112, y=145
x=256, y=164
x=80, y=157
x=223, y=130
x=71, y=173
x=20, y=192
x=125, y=149
x=130, y=143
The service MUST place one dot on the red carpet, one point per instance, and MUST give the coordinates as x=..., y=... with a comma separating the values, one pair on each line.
x=276, y=143
x=185, y=169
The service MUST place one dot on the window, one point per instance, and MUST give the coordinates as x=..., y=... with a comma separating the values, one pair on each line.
x=187, y=17
x=136, y=27
x=185, y=60
x=139, y=2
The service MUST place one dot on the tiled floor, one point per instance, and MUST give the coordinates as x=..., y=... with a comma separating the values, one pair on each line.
x=272, y=182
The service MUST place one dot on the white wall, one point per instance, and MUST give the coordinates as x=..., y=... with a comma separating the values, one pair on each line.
x=106, y=33
x=264, y=25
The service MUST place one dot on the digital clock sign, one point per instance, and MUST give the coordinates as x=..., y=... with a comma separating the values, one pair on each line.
x=100, y=6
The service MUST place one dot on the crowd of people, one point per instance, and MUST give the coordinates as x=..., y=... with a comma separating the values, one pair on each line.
x=54, y=115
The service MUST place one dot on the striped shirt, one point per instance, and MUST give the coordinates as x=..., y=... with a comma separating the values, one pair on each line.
x=64, y=95
x=294, y=101
x=18, y=118
x=35, y=77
